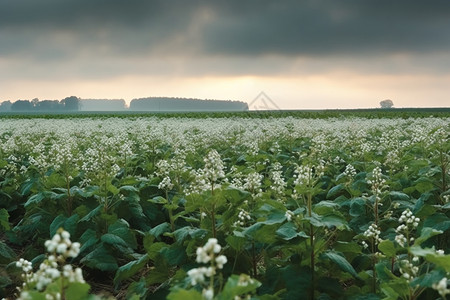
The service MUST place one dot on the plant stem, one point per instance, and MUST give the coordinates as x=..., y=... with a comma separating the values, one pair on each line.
x=254, y=259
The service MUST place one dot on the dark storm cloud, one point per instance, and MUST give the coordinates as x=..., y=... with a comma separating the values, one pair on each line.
x=54, y=30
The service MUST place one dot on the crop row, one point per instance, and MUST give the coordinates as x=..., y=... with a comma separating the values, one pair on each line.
x=225, y=208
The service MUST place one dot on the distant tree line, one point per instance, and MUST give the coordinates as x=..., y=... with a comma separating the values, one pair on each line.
x=185, y=104
x=166, y=104
x=71, y=103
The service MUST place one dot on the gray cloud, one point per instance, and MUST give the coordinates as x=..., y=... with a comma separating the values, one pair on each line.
x=252, y=27
x=110, y=37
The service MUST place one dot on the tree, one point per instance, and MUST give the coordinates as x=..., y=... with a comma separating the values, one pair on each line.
x=71, y=103
x=5, y=106
x=22, y=105
x=386, y=103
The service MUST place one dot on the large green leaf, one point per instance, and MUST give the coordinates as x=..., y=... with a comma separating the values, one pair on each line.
x=357, y=207
x=38, y=198
x=100, y=259
x=121, y=229
x=88, y=239
x=126, y=271
x=6, y=254
x=182, y=294
x=437, y=221
x=92, y=213
x=182, y=233
x=336, y=191
x=160, y=229
x=343, y=264
x=77, y=291
x=387, y=247
x=425, y=234
x=289, y=231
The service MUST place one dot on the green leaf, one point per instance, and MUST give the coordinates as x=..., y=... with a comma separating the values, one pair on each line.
x=57, y=223
x=334, y=220
x=383, y=273
x=160, y=229
x=236, y=242
x=325, y=207
x=425, y=234
x=437, y=221
x=77, y=291
x=262, y=232
x=341, y=262
x=182, y=233
x=155, y=249
x=174, y=254
x=336, y=191
x=357, y=207
x=92, y=214
x=4, y=219
x=158, y=200
x=6, y=254
x=112, y=239
x=419, y=251
x=442, y=261
x=38, y=198
x=181, y=294
x=387, y=247
x=288, y=231
x=131, y=268
x=395, y=195
x=100, y=259
x=88, y=239
x=423, y=185
x=347, y=247
x=121, y=229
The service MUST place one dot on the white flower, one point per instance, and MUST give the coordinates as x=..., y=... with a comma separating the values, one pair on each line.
x=220, y=261
x=441, y=287
x=197, y=275
x=208, y=293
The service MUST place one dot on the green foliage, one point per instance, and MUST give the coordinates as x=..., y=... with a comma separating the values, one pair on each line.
x=300, y=239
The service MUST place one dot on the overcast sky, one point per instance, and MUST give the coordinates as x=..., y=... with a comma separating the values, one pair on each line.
x=302, y=54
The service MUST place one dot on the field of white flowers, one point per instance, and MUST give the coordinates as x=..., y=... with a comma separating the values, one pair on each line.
x=224, y=208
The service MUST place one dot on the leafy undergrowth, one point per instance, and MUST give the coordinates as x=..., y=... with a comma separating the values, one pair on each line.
x=230, y=208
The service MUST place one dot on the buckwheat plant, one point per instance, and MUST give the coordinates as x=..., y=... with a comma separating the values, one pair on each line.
x=378, y=186
x=209, y=179
x=204, y=276
x=278, y=182
x=54, y=276
x=373, y=235
x=408, y=224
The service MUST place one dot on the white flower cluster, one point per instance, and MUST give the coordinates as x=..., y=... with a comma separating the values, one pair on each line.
x=214, y=168
x=289, y=215
x=166, y=184
x=208, y=177
x=207, y=254
x=277, y=179
x=377, y=181
x=408, y=269
x=252, y=183
x=61, y=244
x=307, y=175
x=243, y=217
x=441, y=287
x=408, y=222
x=373, y=232
x=446, y=198
x=350, y=171
x=52, y=268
